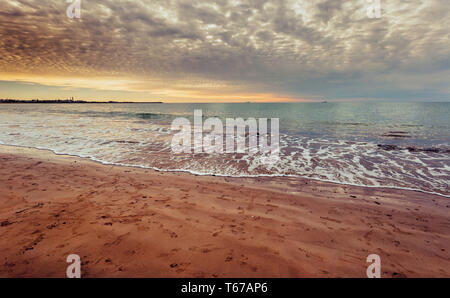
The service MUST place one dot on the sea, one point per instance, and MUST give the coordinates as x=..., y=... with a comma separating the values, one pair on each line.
x=372, y=144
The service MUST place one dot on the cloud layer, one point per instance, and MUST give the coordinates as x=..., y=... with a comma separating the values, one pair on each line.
x=214, y=49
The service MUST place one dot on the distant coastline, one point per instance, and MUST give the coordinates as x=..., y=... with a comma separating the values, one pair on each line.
x=67, y=101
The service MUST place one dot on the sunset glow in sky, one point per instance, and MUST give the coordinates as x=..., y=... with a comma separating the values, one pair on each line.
x=225, y=50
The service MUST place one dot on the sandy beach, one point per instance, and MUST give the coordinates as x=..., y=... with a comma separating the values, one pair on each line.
x=132, y=222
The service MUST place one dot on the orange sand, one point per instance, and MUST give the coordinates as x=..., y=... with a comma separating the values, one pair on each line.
x=128, y=222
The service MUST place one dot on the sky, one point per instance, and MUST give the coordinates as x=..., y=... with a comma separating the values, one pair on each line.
x=226, y=50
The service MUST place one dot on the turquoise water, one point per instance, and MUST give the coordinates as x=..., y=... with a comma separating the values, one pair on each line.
x=405, y=145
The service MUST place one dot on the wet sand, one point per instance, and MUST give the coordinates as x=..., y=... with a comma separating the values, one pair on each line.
x=131, y=222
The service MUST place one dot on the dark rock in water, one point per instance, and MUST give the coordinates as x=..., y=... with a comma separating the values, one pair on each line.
x=396, y=134
x=388, y=147
x=392, y=135
x=436, y=150
x=413, y=149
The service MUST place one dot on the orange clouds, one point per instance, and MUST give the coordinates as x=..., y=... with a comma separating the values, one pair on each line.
x=243, y=50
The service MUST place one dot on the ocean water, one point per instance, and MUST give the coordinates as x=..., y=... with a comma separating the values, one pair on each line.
x=402, y=145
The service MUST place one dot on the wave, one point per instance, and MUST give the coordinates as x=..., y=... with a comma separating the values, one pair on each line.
x=142, y=138
x=152, y=116
x=200, y=173
x=118, y=114
x=414, y=149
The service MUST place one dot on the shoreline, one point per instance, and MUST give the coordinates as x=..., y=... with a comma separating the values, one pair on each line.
x=137, y=222
x=196, y=174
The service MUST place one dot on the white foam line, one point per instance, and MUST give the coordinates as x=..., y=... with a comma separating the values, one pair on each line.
x=227, y=176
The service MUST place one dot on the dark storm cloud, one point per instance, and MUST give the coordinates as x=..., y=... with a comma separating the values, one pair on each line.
x=319, y=48
x=326, y=10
